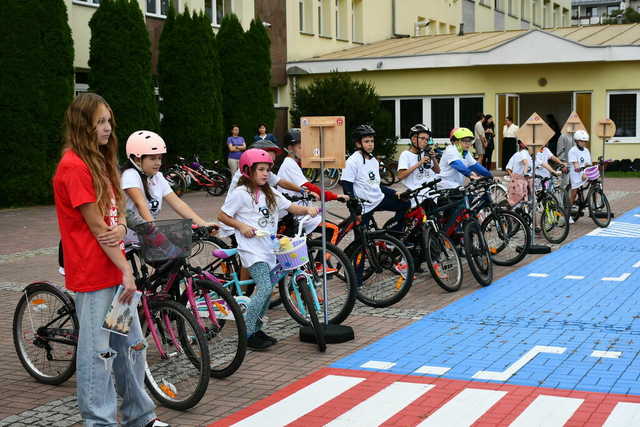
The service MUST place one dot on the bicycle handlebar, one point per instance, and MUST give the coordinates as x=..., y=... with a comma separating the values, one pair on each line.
x=409, y=193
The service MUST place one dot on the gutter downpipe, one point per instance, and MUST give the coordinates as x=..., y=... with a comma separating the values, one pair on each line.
x=393, y=22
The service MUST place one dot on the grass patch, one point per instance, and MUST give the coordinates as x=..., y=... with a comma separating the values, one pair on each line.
x=618, y=174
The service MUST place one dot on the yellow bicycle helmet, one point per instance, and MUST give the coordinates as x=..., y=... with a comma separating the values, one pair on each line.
x=462, y=133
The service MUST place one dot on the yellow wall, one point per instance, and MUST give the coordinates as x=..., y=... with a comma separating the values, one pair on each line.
x=492, y=80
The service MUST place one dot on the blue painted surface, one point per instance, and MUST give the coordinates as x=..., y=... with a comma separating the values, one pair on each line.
x=493, y=327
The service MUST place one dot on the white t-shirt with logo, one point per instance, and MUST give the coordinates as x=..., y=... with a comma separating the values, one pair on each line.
x=543, y=157
x=419, y=175
x=451, y=178
x=516, y=163
x=290, y=171
x=365, y=176
x=242, y=207
x=583, y=158
x=158, y=187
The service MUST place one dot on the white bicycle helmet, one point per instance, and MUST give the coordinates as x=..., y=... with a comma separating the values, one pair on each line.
x=581, y=135
x=144, y=143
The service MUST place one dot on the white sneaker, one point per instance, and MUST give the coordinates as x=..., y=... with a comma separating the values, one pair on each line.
x=157, y=423
x=571, y=221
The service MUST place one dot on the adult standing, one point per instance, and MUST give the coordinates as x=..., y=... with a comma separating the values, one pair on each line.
x=489, y=134
x=509, y=140
x=236, y=146
x=90, y=211
x=480, y=141
x=263, y=135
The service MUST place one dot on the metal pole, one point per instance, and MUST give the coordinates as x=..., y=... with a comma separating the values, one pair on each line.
x=533, y=186
x=604, y=140
x=324, y=231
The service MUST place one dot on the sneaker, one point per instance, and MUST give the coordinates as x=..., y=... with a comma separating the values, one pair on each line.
x=571, y=221
x=257, y=342
x=157, y=423
x=266, y=337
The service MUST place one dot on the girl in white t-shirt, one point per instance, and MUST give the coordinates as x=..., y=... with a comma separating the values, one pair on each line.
x=519, y=168
x=145, y=186
x=253, y=207
x=579, y=157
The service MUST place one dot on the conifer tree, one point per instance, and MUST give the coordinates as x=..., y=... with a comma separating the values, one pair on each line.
x=259, y=62
x=120, y=65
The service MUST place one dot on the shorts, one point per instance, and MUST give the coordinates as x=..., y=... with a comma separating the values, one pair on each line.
x=479, y=147
x=576, y=179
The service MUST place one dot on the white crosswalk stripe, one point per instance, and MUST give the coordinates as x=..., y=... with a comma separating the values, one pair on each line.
x=548, y=411
x=468, y=405
x=617, y=229
x=624, y=414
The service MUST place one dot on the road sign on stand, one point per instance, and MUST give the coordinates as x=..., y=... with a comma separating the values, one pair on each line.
x=573, y=124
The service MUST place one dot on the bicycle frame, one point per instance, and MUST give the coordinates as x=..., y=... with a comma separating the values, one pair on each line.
x=206, y=181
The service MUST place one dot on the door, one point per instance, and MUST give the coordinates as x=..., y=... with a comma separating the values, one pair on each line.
x=582, y=106
x=508, y=105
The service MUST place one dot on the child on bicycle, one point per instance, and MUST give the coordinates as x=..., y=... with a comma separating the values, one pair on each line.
x=254, y=206
x=579, y=157
x=145, y=186
x=290, y=171
x=361, y=177
x=457, y=162
x=90, y=211
x=417, y=165
x=519, y=169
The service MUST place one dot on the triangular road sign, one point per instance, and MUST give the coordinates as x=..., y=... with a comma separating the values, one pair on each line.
x=573, y=124
x=535, y=131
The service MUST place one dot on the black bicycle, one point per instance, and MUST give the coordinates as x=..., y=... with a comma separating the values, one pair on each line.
x=594, y=200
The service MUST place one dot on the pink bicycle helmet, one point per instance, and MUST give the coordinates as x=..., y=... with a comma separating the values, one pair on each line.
x=144, y=142
x=251, y=157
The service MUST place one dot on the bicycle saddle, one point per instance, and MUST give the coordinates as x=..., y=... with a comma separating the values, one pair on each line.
x=224, y=253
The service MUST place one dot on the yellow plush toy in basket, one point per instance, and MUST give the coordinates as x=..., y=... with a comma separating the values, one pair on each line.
x=292, y=253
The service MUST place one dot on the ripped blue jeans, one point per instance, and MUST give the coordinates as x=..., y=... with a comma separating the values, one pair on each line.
x=108, y=363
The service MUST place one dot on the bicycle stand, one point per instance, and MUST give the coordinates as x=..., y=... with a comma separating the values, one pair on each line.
x=333, y=334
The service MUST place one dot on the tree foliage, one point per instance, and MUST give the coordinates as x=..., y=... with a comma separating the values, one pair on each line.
x=190, y=86
x=339, y=94
x=259, y=63
x=628, y=16
x=36, y=84
x=120, y=62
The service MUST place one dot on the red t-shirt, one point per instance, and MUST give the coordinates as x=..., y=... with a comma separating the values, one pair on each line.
x=87, y=268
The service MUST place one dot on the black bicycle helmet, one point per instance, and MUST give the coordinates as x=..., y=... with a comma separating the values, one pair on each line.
x=419, y=128
x=362, y=131
x=292, y=137
x=266, y=145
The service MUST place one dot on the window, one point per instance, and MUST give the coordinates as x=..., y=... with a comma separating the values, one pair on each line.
x=88, y=2
x=510, y=7
x=337, y=19
x=301, y=14
x=319, y=17
x=276, y=96
x=611, y=9
x=216, y=9
x=157, y=7
x=389, y=106
x=305, y=15
x=499, y=5
x=524, y=10
x=442, y=117
x=469, y=109
x=410, y=114
x=356, y=21
x=623, y=110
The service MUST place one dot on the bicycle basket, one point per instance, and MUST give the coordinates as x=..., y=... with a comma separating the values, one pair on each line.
x=165, y=240
x=592, y=172
x=294, y=257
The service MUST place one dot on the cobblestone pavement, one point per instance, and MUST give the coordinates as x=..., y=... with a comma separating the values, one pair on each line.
x=28, y=253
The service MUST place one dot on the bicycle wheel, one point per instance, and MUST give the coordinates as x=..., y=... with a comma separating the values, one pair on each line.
x=554, y=220
x=307, y=299
x=477, y=253
x=498, y=193
x=227, y=335
x=443, y=260
x=45, y=312
x=220, y=184
x=178, y=365
x=507, y=237
x=387, y=176
x=177, y=181
x=341, y=284
x=331, y=178
x=201, y=252
x=384, y=270
x=599, y=208
x=311, y=174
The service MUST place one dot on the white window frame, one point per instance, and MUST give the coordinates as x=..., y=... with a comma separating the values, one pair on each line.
x=89, y=3
x=627, y=139
x=80, y=88
x=158, y=14
x=426, y=112
x=214, y=12
x=276, y=96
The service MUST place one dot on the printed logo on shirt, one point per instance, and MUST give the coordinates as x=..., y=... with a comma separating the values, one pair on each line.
x=153, y=206
x=267, y=219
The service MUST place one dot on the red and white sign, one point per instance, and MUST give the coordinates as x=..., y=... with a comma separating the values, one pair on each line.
x=339, y=397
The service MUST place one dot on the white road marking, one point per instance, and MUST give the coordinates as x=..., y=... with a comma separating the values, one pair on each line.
x=617, y=229
x=621, y=278
x=548, y=411
x=574, y=277
x=431, y=370
x=301, y=402
x=465, y=408
x=518, y=364
x=636, y=265
x=624, y=414
x=381, y=406
x=375, y=364
x=538, y=275
x=606, y=354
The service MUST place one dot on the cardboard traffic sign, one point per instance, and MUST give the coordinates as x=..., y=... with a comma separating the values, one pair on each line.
x=606, y=128
x=573, y=124
x=331, y=149
x=535, y=131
